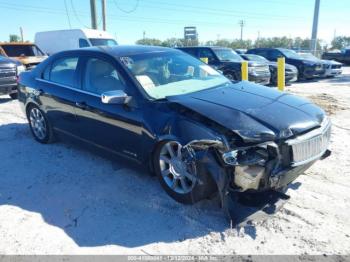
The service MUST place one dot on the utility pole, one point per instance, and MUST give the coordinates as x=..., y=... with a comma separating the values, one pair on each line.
x=104, y=14
x=21, y=31
x=241, y=24
x=93, y=14
x=313, y=46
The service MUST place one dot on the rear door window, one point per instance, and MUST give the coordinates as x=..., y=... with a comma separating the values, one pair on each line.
x=206, y=53
x=190, y=51
x=63, y=71
x=274, y=54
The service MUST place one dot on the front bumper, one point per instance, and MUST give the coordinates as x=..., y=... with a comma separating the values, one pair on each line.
x=333, y=72
x=312, y=72
x=260, y=79
x=291, y=77
x=8, y=87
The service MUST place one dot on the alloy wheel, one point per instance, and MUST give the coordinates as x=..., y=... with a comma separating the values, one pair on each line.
x=176, y=173
x=38, y=124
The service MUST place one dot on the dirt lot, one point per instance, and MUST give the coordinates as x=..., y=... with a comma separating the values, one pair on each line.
x=60, y=199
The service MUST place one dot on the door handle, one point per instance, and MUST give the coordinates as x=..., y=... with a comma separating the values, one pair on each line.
x=81, y=105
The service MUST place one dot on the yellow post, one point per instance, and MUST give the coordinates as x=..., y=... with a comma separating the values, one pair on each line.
x=281, y=62
x=245, y=70
x=204, y=59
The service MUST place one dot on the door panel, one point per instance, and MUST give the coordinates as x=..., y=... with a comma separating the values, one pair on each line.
x=56, y=91
x=111, y=126
x=58, y=102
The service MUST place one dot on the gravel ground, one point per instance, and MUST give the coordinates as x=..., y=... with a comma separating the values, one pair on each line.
x=62, y=199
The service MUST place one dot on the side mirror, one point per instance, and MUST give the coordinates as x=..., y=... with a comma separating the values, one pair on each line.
x=118, y=97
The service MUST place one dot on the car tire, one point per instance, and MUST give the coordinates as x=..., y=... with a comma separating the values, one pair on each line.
x=186, y=187
x=14, y=95
x=231, y=76
x=39, y=125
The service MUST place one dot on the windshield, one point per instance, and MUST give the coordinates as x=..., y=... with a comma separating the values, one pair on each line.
x=22, y=50
x=290, y=54
x=165, y=74
x=227, y=55
x=257, y=58
x=308, y=56
x=102, y=42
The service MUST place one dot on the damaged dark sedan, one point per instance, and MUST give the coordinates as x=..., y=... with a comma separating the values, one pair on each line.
x=200, y=133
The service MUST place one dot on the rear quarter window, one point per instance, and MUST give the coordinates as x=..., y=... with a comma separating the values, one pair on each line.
x=62, y=71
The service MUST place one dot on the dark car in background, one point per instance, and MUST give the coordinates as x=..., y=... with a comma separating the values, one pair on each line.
x=230, y=63
x=27, y=53
x=9, y=70
x=291, y=72
x=342, y=56
x=307, y=69
x=332, y=68
x=198, y=131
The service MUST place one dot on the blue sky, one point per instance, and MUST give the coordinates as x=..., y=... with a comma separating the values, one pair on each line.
x=127, y=19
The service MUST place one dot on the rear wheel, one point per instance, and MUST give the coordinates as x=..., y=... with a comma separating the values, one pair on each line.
x=39, y=125
x=180, y=179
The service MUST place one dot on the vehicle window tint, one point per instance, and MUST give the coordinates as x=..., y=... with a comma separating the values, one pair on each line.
x=190, y=51
x=274, y=54
x=101, y=76
x=63, y=71
x=261, y=53
x=204, y=52
x=22, y=50
x=83, y=43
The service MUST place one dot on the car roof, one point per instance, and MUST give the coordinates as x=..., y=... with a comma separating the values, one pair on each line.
x=16, y=43
x=122, y=50
x=212, y=47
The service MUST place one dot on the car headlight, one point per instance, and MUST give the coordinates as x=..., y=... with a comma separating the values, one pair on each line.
x=20, y=69
x=251, y=70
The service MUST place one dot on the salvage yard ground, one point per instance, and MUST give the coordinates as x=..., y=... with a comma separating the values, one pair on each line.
x=62, y=199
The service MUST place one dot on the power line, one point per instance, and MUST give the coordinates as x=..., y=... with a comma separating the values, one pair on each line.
x=127, y=11
x=76, y=15
x=65, y=5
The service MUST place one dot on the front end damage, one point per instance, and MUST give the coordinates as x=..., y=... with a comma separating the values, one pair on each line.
x=252, y=180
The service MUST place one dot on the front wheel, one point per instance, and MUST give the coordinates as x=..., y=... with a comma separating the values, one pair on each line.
x=180, y=178
x=231, y=76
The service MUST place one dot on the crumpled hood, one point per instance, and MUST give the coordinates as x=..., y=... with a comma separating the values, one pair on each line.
x=254, y=112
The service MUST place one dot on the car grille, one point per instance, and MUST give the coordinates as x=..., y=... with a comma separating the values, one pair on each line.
x=7, y=72
x=310, y=146
x=336, y=66
x=262, y=69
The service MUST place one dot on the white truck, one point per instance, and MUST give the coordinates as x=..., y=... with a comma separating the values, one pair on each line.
x=52, y=42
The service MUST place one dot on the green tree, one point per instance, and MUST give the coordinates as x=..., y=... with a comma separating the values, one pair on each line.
x=340, y=42
x=173, y=42
x=14, y=38
x=149, y=41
